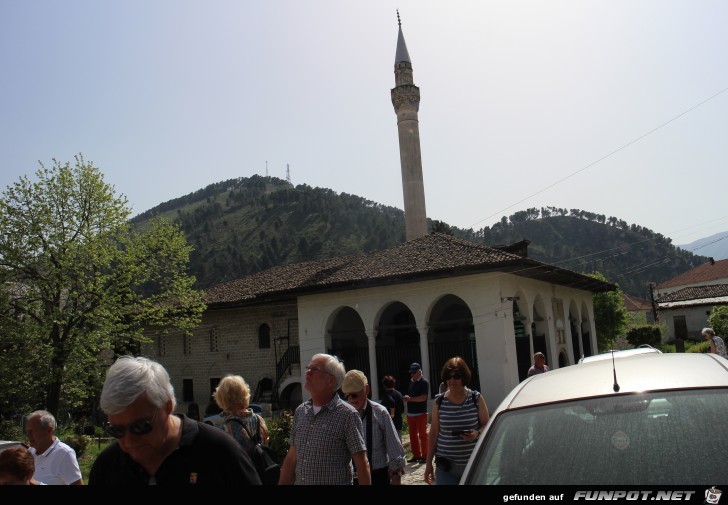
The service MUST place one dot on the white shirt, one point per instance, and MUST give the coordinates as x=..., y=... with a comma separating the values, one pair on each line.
x=57, y=465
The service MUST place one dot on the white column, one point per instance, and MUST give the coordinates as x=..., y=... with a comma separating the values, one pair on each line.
x=373, y=373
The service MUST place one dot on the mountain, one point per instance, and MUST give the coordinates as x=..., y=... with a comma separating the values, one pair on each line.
x=241, y=226
x=715, y=246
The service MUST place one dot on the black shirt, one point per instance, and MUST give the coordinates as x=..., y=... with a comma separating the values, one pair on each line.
x=206, y=456
x=393, y=398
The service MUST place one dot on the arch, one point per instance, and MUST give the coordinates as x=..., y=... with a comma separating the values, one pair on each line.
x=540, y=330
x=586, y=341
x=563, y=359
x=264, y=336
x=347, y=339
x=397, y=343
x=522, y=335
x=451, y=333
x=290, y=393
x=575, y=326
x=262, y=391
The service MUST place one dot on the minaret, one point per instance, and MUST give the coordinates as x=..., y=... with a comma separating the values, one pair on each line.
x=406, y=101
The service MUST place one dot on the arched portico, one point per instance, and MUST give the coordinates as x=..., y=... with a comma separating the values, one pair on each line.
x=346, y=338
x=397, y=344
x=451, y=333
x=575, y=330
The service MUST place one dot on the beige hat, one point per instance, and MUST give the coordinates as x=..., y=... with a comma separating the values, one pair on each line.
x=354, y=381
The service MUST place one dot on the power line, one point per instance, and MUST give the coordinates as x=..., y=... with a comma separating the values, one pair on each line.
x=603, y=157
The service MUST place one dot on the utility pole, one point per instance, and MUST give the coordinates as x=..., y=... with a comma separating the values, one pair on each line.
x=652, y=300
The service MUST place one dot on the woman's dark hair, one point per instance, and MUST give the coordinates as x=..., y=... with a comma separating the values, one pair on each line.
x=193, y=411
x=17, y=465
x=388, y=382
x=456, y=364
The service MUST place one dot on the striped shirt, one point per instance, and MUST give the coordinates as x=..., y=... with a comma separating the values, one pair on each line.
x=454, y=416
x=387, y=451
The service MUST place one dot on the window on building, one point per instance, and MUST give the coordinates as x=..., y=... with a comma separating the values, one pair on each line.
x=161, y=345
x=212, y=407
x=264, y=336
x=187, y=344
x=188, y=394
x=518, y=327
x=213, y=339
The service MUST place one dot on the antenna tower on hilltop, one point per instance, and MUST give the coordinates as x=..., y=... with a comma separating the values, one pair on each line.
x=288, y=173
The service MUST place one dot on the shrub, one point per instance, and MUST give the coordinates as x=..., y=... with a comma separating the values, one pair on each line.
x=279, y=430
x=10, y=430
x=719, y=320
x=645, y=334
x=78, y=443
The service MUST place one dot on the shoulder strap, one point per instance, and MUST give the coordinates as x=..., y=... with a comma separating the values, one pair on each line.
x=368, y=415
x=245, y=428
x=476, y=397
x=257, y=430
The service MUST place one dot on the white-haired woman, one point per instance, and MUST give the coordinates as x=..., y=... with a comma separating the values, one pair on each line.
x=233, y=397
x=717, y=346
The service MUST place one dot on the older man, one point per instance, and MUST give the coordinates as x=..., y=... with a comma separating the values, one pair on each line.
x=384, y=448
x=327, y=432
x=156, y=446
x=55, y=462
x=416, y=400
x=539, y=365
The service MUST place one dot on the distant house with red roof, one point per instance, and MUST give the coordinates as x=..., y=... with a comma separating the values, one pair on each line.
x=634, y=305
x=685, y=302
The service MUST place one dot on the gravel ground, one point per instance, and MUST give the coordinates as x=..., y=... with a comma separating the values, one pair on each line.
x=413, y=472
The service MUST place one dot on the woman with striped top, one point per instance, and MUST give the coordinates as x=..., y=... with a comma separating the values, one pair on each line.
x=458, y=417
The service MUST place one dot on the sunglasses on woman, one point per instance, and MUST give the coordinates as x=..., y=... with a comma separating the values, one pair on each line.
x=140, y=427
x=455, y=376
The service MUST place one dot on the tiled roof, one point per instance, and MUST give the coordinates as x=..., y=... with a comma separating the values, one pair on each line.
x=634, y=304
x=695, y=293
x=702, y=273
x=429, y=257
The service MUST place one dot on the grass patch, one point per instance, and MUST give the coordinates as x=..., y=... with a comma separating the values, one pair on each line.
x=89, y=456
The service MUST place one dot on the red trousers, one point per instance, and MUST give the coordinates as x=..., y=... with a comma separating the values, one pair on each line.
x=418, y=435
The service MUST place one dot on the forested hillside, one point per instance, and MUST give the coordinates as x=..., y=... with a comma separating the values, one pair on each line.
x=245, y=225
x=627, y=254
x=242, y=226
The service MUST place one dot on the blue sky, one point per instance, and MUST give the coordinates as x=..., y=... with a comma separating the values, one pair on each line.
x=617, y=107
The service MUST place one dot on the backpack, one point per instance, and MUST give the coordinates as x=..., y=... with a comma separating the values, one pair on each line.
x=264, y=458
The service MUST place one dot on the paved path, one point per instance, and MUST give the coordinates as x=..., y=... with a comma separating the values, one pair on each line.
x=414, y=473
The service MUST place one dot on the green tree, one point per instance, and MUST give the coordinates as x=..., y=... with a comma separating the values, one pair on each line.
x=610, y=315
x=719, y=321
x=441, y=227
x=77, y=279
